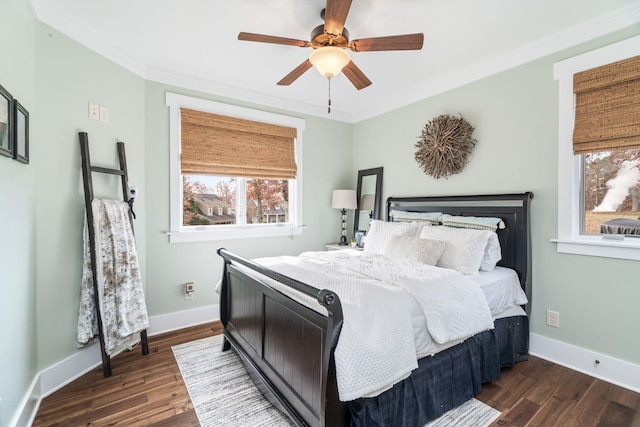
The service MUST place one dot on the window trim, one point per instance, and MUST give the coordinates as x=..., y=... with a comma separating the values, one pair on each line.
x=179, y=233
x=570, y=166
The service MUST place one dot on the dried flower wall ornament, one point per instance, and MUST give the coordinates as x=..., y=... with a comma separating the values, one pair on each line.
x=444, y=145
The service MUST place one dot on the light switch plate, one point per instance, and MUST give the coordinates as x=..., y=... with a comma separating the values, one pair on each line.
x=104, y=114
x=94, y=111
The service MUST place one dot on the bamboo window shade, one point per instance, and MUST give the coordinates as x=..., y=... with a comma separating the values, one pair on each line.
x=227, y=146
x=607, y=109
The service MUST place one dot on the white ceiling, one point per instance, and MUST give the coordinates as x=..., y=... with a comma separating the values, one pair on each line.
x=193, y=44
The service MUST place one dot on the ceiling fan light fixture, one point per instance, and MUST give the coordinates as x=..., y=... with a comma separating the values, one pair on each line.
x=329, y=60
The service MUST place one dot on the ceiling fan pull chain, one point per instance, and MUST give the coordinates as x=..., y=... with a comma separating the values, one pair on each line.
x=329, y=106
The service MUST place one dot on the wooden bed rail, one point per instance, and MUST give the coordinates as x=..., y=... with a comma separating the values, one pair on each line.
x=325, y=297
x=271, y=333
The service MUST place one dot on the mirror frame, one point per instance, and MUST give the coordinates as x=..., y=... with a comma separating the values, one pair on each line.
x=377, y=208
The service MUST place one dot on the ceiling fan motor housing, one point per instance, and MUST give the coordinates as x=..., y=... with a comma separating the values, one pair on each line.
x=319, y=38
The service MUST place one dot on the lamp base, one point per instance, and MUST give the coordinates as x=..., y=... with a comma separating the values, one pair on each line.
x=343, y=228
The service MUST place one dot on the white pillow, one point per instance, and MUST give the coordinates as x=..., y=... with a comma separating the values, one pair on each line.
x=380, y=232
x=465, y=247
x=492, y=254
x=426, y=251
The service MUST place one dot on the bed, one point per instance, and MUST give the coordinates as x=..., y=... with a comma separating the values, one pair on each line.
x=287, y=332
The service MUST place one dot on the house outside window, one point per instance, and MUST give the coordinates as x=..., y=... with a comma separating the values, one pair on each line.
x=599, y=159
x=230, y=200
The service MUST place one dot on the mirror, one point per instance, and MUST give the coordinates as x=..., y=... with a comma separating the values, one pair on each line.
x=369, y=197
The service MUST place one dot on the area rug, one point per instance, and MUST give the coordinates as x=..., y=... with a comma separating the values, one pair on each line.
x=223, y=394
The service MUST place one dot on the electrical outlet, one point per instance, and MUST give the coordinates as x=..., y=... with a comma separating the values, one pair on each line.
x=188, y=290
x=94, y=111
x=553, y=318
x=104, y=114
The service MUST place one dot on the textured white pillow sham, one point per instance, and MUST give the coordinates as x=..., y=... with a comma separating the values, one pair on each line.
x=427, y=251
x=381, y=231
x=465, y=247
x=407, y=216
x=474, y=222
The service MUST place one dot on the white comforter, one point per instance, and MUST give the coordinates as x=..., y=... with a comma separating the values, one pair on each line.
x=376, y=348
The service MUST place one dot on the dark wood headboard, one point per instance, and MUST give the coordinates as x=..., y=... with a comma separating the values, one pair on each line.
x=513, y=209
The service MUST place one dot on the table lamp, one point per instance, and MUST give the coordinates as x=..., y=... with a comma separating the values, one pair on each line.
x=344, y=199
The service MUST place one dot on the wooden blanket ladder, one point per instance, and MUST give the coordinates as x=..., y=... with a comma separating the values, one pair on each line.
x=87, y=169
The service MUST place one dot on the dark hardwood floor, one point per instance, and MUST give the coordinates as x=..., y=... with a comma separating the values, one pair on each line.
x=142, y=390
x=149, y=391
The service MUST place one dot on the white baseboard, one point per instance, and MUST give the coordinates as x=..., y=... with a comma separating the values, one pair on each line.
x=609, y=369
x=49, y=380
x=62, y=373
x=183, y=319
x=29, y=406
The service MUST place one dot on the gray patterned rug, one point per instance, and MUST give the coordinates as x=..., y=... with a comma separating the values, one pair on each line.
x=223, y=394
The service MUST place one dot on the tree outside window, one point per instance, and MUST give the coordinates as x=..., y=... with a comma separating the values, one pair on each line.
x=211, y=200
x=611, y=188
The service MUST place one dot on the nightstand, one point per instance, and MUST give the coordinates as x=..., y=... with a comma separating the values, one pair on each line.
x=336, y=247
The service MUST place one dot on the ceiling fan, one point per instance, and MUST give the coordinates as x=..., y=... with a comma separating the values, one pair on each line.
x=329, y=43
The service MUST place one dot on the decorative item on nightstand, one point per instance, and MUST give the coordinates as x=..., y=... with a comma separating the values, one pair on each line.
x=344, y=199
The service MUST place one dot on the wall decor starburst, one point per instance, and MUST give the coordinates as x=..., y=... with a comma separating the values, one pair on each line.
x=444, y=145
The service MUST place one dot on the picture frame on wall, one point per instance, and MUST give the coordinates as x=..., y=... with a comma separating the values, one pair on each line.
x=20, y=133
x=6, y=123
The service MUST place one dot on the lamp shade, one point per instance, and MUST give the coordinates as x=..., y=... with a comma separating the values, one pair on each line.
x=367, y=202
x=329, y=60
x=344, y=199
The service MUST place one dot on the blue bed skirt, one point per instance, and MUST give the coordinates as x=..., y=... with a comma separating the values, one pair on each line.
x=446, y=380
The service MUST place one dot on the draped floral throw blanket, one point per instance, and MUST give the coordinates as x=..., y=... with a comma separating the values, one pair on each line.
x=122, y=306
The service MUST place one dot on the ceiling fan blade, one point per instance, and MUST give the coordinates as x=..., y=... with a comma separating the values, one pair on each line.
x=403, y=42
x=335, y=15
x=293, y=75
x=356, y=76
x=251, y=37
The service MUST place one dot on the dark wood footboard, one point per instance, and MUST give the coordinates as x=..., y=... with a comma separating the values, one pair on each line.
x=286, y=346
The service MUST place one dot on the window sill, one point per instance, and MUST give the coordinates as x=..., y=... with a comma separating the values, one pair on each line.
x=627, y=248
x=204, y=234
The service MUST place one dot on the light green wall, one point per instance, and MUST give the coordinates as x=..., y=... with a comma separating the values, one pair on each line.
x=327, y=166
x=17, y=218
x=515, y=115
x=68, y=77
x=41, y=235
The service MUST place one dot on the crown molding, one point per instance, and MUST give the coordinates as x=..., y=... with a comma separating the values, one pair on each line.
x=618, y=19
x=603, y=25
x=47, y=13
x=238, y=94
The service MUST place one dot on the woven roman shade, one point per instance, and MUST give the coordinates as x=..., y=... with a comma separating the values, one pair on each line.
x=227, y=146
x=607, y=111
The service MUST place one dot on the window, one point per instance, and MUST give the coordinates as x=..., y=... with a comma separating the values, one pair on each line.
x=235, y=172
x=610, y=191
x=598, y=159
